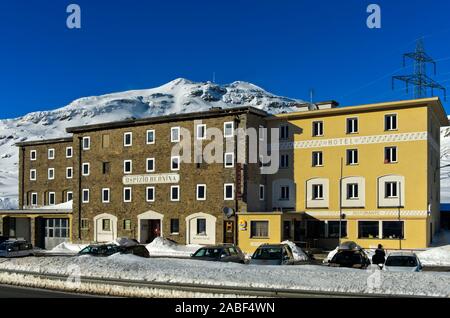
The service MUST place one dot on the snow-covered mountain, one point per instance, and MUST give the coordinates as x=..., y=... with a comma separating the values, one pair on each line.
x=178, y=96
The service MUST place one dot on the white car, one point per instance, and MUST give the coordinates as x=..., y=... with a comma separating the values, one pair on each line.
x=402, y=262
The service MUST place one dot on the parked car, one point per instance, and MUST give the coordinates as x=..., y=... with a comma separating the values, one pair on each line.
x=138, y=250
x=220, y=253
x=350, y=255
x=16, y=248
x=402, y=262
x=3, y=239
x=273, y=254
x=104, y=250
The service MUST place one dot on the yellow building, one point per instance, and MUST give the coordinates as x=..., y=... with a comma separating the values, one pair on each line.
x=374, y=169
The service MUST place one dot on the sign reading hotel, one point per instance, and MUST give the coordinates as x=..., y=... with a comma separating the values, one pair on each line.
x=151, y=178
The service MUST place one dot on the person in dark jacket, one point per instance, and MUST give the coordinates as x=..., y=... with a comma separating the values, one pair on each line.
x=380, y=255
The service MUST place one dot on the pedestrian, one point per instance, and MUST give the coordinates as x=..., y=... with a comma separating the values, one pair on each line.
x=380, y=256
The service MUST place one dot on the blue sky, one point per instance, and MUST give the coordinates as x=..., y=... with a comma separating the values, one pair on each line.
x=286, y=47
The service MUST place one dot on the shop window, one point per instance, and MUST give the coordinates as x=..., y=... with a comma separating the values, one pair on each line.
x=259, y=229
x=57, y=228
x=393, y=229
x=333, y=229
x=315, y=229
x=368, y=229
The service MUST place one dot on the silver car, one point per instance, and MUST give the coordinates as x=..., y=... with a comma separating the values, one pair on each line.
x=402, y=262
x=16, y=248
x=273, y=254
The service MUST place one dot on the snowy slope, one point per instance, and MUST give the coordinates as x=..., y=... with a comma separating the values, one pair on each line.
x=177, y=96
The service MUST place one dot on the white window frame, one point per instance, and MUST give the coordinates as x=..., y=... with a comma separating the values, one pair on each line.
x=351, y=194
x=225, y=135
x=146, y=137
x=146, y=194
x=35, y=155
x=350, y=126
x=390, y=154
x=125, y=164
x=71, y=152
x=125, y=134
x=32, y=196
x=88, y=169
x=262, y=189
x=31, y=174
x=197, y=192
x=316, y=155
x=197, y=132
x=225, y=191
x=396, y=189
x=67, y=195
x=321, y=192
x=53, y=174
x=171, y=134
x=83, y=200
x=171, y=163
x=351, y=157
x=51, y=150
x=106, y=190
x=146, y=164
x=131, y=194
x=54, y=198
x=88, y=143
x=393, y=115
x=320, y=128
x=171, y=193
x=67, y=172
x=225, y=160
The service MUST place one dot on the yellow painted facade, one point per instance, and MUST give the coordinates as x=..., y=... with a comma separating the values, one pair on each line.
x=416, y=139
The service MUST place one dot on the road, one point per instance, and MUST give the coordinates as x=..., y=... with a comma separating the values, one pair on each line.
x=7, y=291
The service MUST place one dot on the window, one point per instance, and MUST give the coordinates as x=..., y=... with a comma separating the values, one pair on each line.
x=150, y=136
x=57, y=228
x=390, y=190
x=105, y=141
x=317, y=159
x=51, y=198
x=175, y=134
x=150, y=194
x=201, y=192
x=106, y=167
x=286, y=230
x=34, y=198
x=284, y=161
x=393, y=230
x=51, y=173
x=284, y=132
x=228, y=129
x=106, y=225
x=33, y=155
x=352, y=125
x=150, y=166
x=201, y=226
x=229, y=160
x=228, y=191
x=84, y=224
x=368, y=229
x=69, y=172
x=262, y=193
x=69, y=196
x=352, y=157
x=333, y=229
x=352, y=191
x=85, y=196
x=174, y=226
x=85, y=169
x=33, y=174
x=315, y=229
x=127, y=224
x=127, y=194
x=262, y=133
x=284, y=193
x=128, y=139
x=69, y=152
x=51, y=154
x=259, y=229
x=390, y=122
x=175, y=193
x=175, y=163
x=201, y=131
x=105, y=195
x=390, y=155
x=317, y=191
x=127, y=166
x=317, y=129
x=86, y=143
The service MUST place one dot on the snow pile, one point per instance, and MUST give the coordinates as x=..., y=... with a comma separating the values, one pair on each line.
x=437, y=256
x=62, y=206
x=297, y=252
x=331, y=255
x=68, y=248
x=163, y=247
x=125, y=241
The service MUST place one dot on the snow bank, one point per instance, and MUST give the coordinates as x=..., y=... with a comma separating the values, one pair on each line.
x=62, y=206
x=297, y=252
x=67, y=247
x=125, y=241
x=437, y=256
x=164, y=247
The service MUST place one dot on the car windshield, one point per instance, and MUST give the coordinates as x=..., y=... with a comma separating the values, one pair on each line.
x=404, y=261
x=346, y=257
x=269, y=253
x=208, y=252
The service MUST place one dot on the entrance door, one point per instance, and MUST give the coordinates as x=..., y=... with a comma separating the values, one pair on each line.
x=150, y=229
x=228, y=232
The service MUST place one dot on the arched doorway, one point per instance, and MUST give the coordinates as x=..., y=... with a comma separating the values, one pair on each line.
x=149, y=226
x=105, y=227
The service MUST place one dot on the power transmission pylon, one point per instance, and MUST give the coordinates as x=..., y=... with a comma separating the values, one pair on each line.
x=419, y=79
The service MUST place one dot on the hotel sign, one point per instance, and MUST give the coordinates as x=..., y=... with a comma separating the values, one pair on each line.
x=151, y=178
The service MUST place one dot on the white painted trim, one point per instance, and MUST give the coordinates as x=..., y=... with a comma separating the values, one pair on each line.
x=197, y=136
x=171, y=134
x=171, y=163
x=35, y=174
x=146, y=164
x=225, y=160
x=51, y=157
x=125, y=134
x=54, y=197
x=146, y=194
x=146, y=137
x=53, y=174
x=191, y=226
x=360, y=202
x=109, y=195
x=131, y=166
x=82, y=195
x=150, y=215
x=71, y=152
x=179, y=194
x=89, y=169
x=225, y=185
x=89, y=143
x=98, y=231
x=67, y=172
x=131, y=194
x=314, y=203
x=196, y=192
x=365, y=213
x=225, y=135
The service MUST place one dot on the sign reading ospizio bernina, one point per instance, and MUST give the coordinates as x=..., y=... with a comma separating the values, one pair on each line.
x=151, y=178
